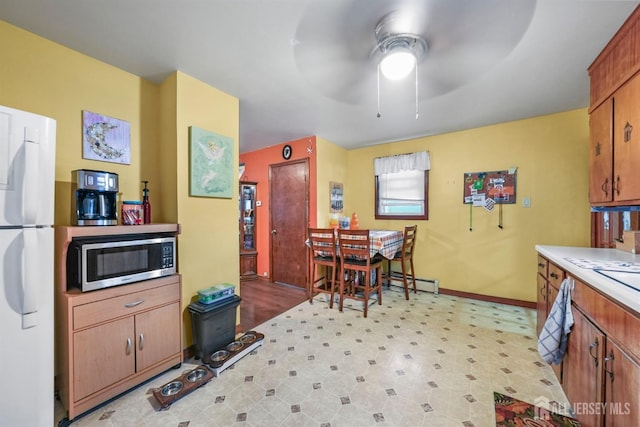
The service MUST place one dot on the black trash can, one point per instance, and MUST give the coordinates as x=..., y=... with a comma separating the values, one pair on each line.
x=213, y=325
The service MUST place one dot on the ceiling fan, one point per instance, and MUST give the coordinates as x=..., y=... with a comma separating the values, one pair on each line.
x=339, y=44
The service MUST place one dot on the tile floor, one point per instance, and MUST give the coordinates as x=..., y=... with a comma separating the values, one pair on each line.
x=434, y=360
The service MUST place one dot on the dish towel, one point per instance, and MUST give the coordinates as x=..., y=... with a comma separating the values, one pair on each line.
x=552, y=343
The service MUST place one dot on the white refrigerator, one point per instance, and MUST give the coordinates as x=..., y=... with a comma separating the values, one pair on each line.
x=27, y=183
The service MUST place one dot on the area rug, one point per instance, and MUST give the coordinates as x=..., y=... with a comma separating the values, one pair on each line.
x=513, y=412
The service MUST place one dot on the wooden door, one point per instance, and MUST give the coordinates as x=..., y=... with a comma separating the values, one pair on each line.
x=157, y=335
x=601, y=153
x=626, y=141
x=622, y=382
x=289, y=220
x=102, y=355
x=582, y=367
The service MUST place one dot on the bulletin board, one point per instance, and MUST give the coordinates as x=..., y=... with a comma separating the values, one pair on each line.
x=495, y=186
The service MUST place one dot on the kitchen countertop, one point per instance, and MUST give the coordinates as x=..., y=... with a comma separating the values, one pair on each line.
x=563, y=256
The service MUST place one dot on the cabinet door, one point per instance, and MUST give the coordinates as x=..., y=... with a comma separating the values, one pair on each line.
x=582, y=367
x=622, y=382
x=601, y=153
x=157, y=335
x=541, y=304
x=552, y=294
x=626, y=142
x=102, y=355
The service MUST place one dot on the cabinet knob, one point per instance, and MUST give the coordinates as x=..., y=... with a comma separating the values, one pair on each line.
x=554, y=275
x=541, y=265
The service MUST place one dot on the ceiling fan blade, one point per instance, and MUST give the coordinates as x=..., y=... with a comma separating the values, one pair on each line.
x=334, y=46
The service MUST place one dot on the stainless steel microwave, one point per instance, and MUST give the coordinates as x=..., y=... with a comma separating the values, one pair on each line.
x=101, y=262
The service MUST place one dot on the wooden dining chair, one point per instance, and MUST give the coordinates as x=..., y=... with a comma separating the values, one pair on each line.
x=323, y=255
x=404, y=256
x=360, y=275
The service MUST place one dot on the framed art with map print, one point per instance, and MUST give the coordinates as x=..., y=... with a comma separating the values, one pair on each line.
x=211, y=165
x=105, y=139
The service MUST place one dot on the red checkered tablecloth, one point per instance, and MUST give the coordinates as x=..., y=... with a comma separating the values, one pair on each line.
x=385, y=242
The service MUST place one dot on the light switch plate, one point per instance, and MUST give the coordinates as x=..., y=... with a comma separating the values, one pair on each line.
x=526, y=202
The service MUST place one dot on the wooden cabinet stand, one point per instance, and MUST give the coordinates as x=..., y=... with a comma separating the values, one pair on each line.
x=601, y=370
x=110, y=340
x=247, y=223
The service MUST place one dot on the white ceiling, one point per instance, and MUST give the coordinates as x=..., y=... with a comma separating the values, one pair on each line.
x=285, y=60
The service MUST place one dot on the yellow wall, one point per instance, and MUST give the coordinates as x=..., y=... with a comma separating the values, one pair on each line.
x=332, y=161
x=550, y=153
x=46, y=78
x=209, y=251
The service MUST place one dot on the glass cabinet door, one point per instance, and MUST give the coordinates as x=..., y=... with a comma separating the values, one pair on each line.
x=247, y=223
x=247, y=210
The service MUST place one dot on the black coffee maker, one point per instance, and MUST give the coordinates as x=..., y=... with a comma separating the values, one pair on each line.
x=96, y=194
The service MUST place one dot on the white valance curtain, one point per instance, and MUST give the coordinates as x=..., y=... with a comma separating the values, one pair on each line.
x=402, y=162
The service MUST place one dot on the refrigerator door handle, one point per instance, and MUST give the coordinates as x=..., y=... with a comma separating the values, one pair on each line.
x=29, y=279
x=31, y=185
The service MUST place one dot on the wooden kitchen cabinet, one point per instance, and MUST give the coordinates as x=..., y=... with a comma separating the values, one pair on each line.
x=582, y=368
x=247, y=224
x=614, y=119
x=622, y=386
x=601, y=153
x=548, y=279
x=600, y=372
x=110, y=340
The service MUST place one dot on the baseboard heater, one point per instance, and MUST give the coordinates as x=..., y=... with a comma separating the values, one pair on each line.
x=426, y=285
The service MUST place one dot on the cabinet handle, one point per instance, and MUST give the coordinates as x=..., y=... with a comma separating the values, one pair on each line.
x=541, y=265
x=627, y=132
x=128, y=351
x=133, y=304
x=609, y=359
x=141, y=341
x=591, y=347
x=542, y=291
x=553, y=275
x=616, y=187
x=605, y=187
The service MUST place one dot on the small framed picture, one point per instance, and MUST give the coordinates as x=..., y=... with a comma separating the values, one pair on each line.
x=105, y=139
x=335, y=194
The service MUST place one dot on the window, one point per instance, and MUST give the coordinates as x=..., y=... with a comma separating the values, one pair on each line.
x=402, y=186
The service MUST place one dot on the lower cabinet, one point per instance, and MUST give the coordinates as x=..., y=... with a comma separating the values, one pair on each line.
x=116, y=338
x=622, y=387
x=600, y=372
x=582, y=369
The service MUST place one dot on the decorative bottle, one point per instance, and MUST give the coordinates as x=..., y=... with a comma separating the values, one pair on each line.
x=354, y=225
x=146, y=206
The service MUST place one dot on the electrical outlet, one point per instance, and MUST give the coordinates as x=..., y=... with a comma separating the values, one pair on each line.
x=526, y=202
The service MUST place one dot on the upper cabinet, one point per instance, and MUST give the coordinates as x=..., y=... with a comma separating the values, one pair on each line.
x=614, y=148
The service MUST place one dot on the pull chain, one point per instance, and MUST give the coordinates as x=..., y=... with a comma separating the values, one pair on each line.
x=378, y=90
x=416, y=89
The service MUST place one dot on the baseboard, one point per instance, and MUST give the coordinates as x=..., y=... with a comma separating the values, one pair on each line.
x=488, y=298
x=425, y=285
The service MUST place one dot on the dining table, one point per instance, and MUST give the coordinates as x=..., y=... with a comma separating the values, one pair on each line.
x=384, y=242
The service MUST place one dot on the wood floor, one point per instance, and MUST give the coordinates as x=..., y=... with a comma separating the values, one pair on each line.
x=263, y=300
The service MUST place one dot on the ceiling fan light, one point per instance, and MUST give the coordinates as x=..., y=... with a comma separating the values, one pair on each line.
x=397, y=64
